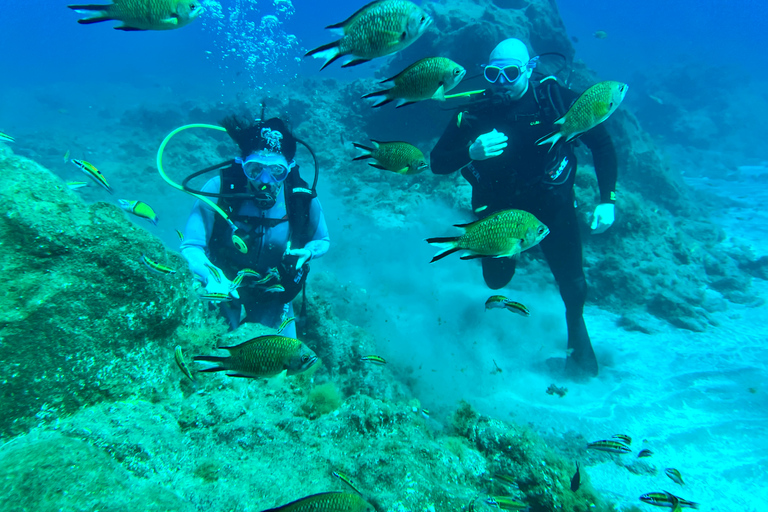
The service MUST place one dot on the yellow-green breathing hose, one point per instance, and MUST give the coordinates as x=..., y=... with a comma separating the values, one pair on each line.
x=462, y=94
x=235, y=239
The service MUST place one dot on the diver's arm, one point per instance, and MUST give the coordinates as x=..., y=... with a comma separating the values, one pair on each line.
x=598, y=140
x=451, y=152
x=320, y=242
x=197, y=233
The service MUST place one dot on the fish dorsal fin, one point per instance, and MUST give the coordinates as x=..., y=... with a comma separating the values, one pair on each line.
x=343, y=25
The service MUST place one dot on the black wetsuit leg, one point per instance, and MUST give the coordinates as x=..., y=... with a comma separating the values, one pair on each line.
x=231, y=313
x=497, y=272
x=562, y=248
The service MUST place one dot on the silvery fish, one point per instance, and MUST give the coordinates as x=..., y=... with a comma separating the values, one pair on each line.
x=377, y=29
x=142, y=14
x=503, y=234
x=327, y=502
x=265, y=356
x=428, y=78
x=6, y=138
x=590, y=109
x=398, y=157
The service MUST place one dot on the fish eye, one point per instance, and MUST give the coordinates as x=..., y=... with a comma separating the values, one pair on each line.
x=423, y=18
x=304, y=358
x=610, y=105
x=456, y=71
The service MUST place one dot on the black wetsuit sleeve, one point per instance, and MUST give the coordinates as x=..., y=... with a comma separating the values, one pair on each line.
x=598, y=140
x=451, y=152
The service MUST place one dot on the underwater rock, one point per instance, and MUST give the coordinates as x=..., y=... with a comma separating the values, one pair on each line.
x=81, y=316
x=54, y=472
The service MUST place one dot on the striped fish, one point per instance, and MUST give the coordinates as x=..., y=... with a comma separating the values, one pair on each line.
x=373, y=359
x=156, y=266
x=91, y=171
x=609, y=446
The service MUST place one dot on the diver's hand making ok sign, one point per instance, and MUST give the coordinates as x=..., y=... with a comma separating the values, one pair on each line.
x=488, y=145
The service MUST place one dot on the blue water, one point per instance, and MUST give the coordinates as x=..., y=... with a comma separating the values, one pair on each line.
x=678, y=389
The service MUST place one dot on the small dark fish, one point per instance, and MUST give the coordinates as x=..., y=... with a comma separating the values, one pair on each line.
x=644, y=453
x=674, y=475
x=574, y=39
x=624, y=438
x=576, y=480
x=609, y=446
x=557, y=390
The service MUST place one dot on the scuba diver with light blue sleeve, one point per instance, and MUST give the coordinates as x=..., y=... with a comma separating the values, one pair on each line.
x=278, y=222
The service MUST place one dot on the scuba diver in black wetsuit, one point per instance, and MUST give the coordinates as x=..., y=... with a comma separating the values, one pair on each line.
x=493, y=142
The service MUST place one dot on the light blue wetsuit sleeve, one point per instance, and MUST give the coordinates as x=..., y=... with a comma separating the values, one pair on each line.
x=197, y=233
x=320, y=242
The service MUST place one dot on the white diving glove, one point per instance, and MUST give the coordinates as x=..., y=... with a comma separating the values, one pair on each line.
x=603, y=218
x=304, y=256
x=488, y=145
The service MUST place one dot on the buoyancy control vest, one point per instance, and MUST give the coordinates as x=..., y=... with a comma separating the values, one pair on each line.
x=224, y=254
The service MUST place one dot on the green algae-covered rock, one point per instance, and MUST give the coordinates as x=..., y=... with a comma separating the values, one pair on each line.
x=81, y=317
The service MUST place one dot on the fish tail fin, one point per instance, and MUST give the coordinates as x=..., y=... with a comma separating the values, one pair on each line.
x=364, y=148
x=102, y=10
x=211, y=359
x=446, y=244
x=552, y=138
x=383, y=92
x=329, y=51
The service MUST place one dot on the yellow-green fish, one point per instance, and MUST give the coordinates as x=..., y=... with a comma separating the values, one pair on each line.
x=284, y=324
x=505, y=503
x=667, y=499
x=178, y=356
x=674, y=475
x=6, y=138
x=500, y=301
x=216, y=297
x=623, y=438
x=600, y=34
x=609, y=446
x=139, y=209
x=506, y=479
x=180, y=235
x=377, y=29
x=142, y=14
x=237, y=281
x=66, y=156
x=214, y=272
x=428, y=78
x=373, y=359
x=276, y=288
x=503, y=234
x=327, y=502
x=265, y=356
x=590, y=109
x=247, y=272
x=74, y=185
x=399, y=157
x=344, y=478
x=156, y=266
x=90, y=170
x=644, y=453
x=425, y=413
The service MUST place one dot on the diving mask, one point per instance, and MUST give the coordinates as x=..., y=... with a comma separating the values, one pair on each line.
x=266, y=168
x=510, y=72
